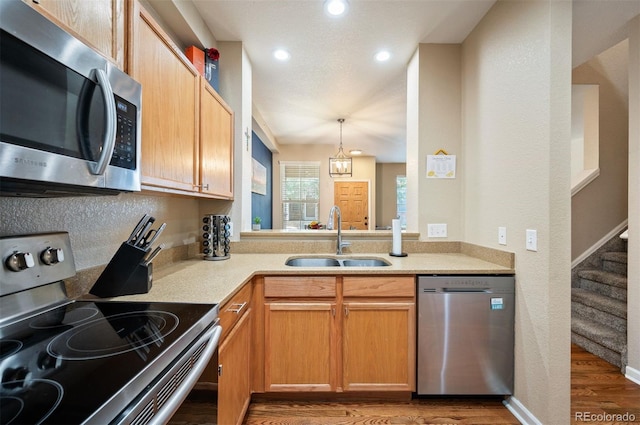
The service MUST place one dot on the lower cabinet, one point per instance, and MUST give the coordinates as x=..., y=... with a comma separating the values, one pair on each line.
x=379, y=333
x=230, y=371
x=351, y=333
x=378, y=346
x=234, y=378
x=300, y=339
x=300, y=346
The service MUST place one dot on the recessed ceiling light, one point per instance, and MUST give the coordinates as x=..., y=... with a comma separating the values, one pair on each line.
x=281, y=54
x=383, y=56
x=335, y=7
x=355, y=151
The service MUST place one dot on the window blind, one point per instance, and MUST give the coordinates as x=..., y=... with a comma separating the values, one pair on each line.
x=300, y=189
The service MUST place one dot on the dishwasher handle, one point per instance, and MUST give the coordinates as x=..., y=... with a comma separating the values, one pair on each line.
x=467, y=290
x=457, y=290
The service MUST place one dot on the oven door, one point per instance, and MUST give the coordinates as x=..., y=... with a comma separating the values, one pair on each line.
x=162, y=398
x=62, y=119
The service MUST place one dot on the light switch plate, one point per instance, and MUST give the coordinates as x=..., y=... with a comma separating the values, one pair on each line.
x=531, y=240
x=502, y=235
x=438, y=230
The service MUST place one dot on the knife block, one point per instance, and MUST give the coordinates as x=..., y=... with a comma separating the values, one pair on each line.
x=125, y=274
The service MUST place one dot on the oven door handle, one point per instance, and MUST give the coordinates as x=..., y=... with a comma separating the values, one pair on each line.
x=176, y=399
x=109, y=142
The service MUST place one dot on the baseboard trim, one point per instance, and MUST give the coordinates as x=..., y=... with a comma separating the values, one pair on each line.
x=632, y=374
x=617, y=230
x=522, y=414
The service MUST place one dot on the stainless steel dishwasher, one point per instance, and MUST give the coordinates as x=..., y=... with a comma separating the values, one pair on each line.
x=465, y=334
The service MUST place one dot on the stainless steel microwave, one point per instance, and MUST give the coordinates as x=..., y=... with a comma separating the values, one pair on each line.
x=69, y=118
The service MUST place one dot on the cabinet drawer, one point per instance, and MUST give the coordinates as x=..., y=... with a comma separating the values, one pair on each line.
x=233, y=309
x=299, y=286
x=383, y=286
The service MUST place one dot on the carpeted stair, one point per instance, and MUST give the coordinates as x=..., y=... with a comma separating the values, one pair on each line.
x=599, y=304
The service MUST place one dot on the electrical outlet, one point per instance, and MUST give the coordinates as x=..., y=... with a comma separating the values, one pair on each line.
x=437, y=230
x=531, y=240
x=502, y=235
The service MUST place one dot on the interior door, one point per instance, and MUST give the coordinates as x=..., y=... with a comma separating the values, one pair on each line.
x=353, y=200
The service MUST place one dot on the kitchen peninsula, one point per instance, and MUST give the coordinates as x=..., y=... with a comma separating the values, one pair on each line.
x=306, y=330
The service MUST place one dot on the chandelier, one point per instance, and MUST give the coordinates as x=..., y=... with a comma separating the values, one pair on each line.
x=340, y=165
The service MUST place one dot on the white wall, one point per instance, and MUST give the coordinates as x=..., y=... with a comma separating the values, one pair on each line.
x=434, y=123
x=235, y=88
x=633, y=272
x=601, y=206
x=516, y=130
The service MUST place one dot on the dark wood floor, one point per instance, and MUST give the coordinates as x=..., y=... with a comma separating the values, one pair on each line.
x=597, y=387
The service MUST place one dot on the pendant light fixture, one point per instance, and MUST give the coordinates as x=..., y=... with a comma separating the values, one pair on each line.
x=340, y=165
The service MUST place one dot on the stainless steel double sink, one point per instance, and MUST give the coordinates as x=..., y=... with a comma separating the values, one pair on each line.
x=336, y=262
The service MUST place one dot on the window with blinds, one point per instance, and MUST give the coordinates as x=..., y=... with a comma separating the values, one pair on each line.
x=300, y=189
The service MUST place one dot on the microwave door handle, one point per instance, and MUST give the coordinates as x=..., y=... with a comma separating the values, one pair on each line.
x=109, y=141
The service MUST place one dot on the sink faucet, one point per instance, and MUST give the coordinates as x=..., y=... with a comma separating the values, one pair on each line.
x=339, y=243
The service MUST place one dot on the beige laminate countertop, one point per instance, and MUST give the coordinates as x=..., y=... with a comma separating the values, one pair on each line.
x=200, y=281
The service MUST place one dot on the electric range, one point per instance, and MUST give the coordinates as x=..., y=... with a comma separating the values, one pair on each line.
x=66, y=361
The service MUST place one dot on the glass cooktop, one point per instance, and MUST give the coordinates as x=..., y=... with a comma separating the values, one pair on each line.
x=62, y=366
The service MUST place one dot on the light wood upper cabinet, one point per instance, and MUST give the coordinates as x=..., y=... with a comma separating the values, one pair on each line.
x=187, y=128
x=216, y=143
x=170, y=106
x=100, y=23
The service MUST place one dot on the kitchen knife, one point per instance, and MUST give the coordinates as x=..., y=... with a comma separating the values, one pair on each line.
x=139, y=240
x=146, y=237
x=137, y=228
x=148, y=242
x=153, y=255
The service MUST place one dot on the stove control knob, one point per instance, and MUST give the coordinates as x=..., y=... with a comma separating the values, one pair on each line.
x=51, y=256
x=19, y=261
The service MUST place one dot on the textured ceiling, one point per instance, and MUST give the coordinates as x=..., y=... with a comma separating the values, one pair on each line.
x=332, y=72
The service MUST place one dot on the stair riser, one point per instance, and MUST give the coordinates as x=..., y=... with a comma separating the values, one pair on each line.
x=591, y=313
x=597, y=349
x=604, y=289
x=614, y=267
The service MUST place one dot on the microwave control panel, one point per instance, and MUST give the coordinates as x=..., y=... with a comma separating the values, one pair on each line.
x=124, y=153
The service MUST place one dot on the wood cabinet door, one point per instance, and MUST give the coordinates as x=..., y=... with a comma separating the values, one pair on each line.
x=300, y=346
x=234, y=380
x=379, y=346
x=170, y=111
x=101, y=23
x=216, y=143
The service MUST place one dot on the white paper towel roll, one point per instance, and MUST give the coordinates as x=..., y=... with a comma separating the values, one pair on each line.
x=397, y=237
